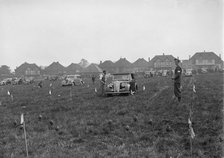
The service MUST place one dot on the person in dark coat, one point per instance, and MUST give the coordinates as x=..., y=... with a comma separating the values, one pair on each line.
x=177, y=79
x=93, y=79
x=40, y=84
x=103, y=83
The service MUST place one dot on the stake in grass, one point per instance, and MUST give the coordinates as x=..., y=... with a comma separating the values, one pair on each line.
x=24, y=129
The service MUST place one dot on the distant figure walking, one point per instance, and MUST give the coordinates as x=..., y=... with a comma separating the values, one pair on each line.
x=177, y=79
x=103, y=83
x=93, y=79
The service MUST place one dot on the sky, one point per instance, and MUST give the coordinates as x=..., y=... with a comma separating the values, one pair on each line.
x=46, y=31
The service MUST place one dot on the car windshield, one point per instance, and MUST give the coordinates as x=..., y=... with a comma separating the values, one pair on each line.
x=122, y=77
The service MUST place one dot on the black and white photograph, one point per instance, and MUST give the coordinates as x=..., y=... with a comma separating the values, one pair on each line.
x=111, y=79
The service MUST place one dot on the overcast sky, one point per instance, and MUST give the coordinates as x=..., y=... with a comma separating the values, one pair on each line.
x=44, y=31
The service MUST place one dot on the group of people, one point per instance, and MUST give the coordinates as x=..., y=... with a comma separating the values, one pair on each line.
x=176, y=77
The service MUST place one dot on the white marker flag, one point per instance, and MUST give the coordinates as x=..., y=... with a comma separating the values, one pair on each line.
x=191, y=129
x=9, y=93
x=50, y=92
x=132, y=93
x=22, y=119
x=95, y=90
x=194, y=88
x=50, y=84
x=189, y=121
x=192, y=133
x=143, y=88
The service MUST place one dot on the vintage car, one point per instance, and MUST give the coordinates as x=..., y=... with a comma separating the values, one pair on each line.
x=6, y=81
x=188, y=73
x=148, y=74
x=122, y=83
x=17, y=81
x=71, y=80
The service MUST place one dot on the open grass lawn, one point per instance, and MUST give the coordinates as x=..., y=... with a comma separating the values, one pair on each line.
x=77, y=122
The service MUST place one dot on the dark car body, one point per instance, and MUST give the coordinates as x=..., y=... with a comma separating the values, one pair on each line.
x=122, y=83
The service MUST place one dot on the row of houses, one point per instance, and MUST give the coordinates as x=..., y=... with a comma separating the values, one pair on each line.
x=208, y=60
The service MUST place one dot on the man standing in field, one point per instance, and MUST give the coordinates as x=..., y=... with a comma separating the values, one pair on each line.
x=177, y=79
x=103, y=83
x=93, y=79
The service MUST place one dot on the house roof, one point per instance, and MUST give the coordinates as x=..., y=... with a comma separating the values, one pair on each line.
x=55, y=66
x=205, y=55
x=73, y=66
x=122, y=62
x=106, y=64
x=26, y=65
x=162, y=58
x=93, y=68
x=141, y=62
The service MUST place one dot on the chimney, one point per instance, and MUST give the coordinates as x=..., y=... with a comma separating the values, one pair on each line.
x=220, y=56
x=100, y=61
x=149, y=59
x=189, y=57
x=163, y=54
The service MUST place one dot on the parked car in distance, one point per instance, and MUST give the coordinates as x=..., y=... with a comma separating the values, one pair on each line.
x=6, y=81
x=71, y=80
x=148, y=74
x=122, y=83
x=188, y=73
x=165, y=73
x=17, y=81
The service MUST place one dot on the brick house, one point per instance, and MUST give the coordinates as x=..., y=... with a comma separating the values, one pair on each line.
x=206, y=60
x=162, y=62
x=140, y=65
x=92, y=68
x=186, y=64
x=54, y=69
x=107, y=65
x=73, y=69
x=122, y=65
x=27, y=69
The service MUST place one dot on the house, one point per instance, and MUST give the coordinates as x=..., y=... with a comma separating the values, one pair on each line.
x=122, y=65
x=140, y=65
x=108, y=66
x=92, y=68
x=73, y=69
x=206, y=60
x=27, y=69
x=54, y=69
x=186, y=64
x=162, y=62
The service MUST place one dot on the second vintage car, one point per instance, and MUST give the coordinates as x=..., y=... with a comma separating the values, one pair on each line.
x=122, y=83
x=71, y=80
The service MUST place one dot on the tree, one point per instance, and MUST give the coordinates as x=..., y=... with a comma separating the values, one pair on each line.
x=84, y=63
x=5, y=70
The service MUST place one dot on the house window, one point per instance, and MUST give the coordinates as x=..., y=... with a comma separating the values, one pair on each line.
x=205, y=62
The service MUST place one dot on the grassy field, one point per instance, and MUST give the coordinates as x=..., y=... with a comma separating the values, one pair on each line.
x=77, y=122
